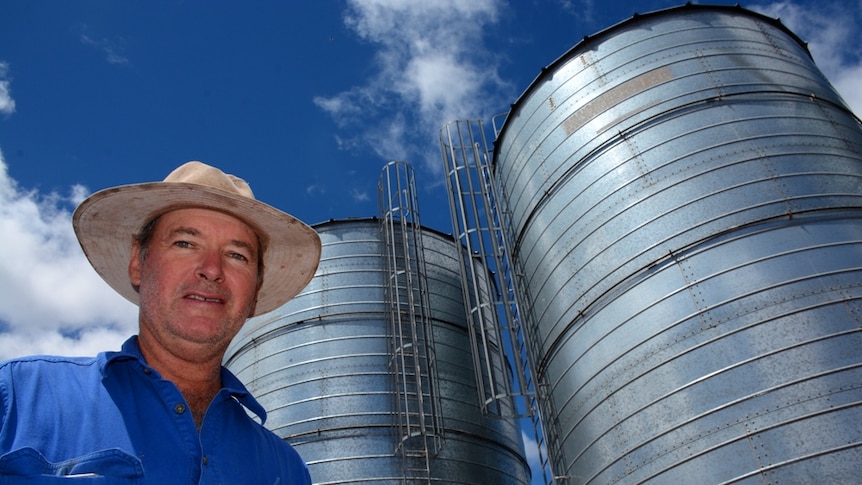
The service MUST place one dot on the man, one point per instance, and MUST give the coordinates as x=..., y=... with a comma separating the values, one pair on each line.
x=199, y=255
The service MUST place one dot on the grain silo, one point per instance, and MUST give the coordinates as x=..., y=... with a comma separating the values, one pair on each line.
x=364, y=396
x=684, y=191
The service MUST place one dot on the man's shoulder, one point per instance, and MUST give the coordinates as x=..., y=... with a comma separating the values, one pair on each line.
x=48, y=361
x=61, y=363
x=38, y=369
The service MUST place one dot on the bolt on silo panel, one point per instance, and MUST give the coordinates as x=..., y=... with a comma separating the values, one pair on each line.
x=321, y=367
x=686, y=196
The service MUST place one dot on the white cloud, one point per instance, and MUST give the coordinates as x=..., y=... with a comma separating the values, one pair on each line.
x=52, y=300
x=583, y=10
x=7, y=104
x=833, y=37
x=315, y=190
x=427, y=78
x=431, y=64
x=359, y=195
x=112, y=49
x=339, y=106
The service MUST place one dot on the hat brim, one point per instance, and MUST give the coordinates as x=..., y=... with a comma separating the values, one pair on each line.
x=107, y=220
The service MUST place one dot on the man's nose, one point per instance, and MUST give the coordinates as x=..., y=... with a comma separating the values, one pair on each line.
x=211, y=267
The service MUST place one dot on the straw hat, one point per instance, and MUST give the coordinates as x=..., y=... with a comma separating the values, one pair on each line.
x=106, y=221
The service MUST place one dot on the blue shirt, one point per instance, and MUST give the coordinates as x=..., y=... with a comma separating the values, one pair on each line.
x=112, y=419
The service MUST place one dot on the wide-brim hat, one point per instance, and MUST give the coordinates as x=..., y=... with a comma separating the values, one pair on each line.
x=106, y=222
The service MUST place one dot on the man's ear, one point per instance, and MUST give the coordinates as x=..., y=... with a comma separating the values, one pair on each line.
x=135, y=265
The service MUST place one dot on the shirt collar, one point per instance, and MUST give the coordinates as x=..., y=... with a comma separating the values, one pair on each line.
x=231, y=385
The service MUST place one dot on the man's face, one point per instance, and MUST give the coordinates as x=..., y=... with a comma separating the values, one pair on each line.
x=198, y=281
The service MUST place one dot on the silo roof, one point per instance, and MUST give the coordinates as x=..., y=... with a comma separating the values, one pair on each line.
x=589, y=40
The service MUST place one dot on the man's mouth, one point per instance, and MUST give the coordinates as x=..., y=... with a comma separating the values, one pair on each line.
x=202, y=298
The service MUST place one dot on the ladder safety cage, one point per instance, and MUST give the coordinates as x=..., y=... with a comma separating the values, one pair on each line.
x=413, y=358
x=496, y=320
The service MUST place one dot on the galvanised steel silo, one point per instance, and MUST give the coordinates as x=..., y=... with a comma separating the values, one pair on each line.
x=322, y=366
x=685, y=190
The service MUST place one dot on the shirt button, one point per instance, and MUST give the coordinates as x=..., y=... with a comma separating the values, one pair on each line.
x=204, y=460
x=180, y=408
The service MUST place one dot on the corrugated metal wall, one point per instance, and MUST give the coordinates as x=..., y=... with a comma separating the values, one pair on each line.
x=321, y=366
x=686, y=195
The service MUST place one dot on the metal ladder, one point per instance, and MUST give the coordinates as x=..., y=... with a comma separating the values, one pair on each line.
x=481, y=224
x=413, y=359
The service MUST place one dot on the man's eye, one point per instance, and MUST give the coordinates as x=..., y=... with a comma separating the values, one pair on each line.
x=183, y=244
x=238, y=256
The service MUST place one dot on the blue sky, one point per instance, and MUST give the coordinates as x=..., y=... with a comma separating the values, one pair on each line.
x=305, y=100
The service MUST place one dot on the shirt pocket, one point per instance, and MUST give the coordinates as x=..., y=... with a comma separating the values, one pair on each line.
x=26, y=466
